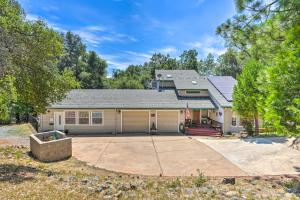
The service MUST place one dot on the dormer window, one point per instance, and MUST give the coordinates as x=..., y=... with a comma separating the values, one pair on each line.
x=169, y=76
x=194, y=82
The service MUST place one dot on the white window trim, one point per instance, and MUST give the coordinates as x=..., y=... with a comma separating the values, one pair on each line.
x=77, y=116
x=76, y=120
x=91, y=122
x=90, y=117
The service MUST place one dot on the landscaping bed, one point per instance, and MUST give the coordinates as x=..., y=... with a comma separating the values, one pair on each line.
x=22, y=177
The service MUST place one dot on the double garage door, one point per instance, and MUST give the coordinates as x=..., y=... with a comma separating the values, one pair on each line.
x=138, y=121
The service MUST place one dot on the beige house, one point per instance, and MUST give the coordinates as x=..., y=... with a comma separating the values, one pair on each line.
x=177, y=99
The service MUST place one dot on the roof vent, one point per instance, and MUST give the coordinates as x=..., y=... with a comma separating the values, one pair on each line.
x=159, y=75
x=169, y=76
x=194, y=82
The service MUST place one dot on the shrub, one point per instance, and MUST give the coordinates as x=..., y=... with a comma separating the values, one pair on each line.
x=200, y=179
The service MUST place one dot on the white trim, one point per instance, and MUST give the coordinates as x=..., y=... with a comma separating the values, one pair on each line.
x=91, y=113
x=149, y=121
x=62, y=121
x=156, y=120
x=121, y=121
x=90, y=117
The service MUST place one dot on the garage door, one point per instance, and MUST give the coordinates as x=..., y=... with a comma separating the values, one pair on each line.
x=135, y=121
x=167, y=121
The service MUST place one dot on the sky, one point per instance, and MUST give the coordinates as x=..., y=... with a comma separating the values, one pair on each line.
x=125, y=32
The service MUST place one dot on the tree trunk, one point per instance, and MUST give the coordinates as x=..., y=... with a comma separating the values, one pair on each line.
x=256, y=125
x=18, y=120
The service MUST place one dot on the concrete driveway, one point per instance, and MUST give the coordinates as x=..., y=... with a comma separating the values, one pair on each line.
x=258, y=156
x=153, y=155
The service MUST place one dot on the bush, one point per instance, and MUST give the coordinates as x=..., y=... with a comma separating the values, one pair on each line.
x=200, y=179
x=249, y=128
x=174, y=184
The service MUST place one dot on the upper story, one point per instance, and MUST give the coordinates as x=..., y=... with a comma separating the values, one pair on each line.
x=189, y=84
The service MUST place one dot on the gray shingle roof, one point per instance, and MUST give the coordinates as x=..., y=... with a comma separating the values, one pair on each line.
x=175, y=74
x=127, y=98
x=224, y=84
x=191, y=80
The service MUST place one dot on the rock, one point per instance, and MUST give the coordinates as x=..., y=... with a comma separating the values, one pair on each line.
x=84, y=181
x=72, y=178
x=203, y=190
x=50, y=173
x=188, y=191
x=231, y=193
x=125, y=187
x=108, y=197
x=229, y=181
x=118, y=194
x=254, y=182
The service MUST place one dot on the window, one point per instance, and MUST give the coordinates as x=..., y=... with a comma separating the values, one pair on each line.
x=70, y=117
x=233, y=121
x=192, y=92
x=84, y=117
x=97, y=118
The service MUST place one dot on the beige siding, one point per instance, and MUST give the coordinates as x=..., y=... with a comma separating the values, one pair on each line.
x=108, y=125
x=167, y=121
x=135, y=121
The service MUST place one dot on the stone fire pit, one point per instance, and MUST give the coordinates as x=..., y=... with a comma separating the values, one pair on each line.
x=51, y=146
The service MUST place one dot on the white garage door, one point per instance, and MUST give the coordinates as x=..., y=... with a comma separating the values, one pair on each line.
x=135, y=121
x=167, y=121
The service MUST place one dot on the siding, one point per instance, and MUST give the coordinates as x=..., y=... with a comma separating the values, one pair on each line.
x=108, y=125
x=112, y=122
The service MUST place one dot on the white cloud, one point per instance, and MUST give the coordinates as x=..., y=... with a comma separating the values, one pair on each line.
x=168, y=50
x=95, y=28
x=32, y=17
x=208, y=44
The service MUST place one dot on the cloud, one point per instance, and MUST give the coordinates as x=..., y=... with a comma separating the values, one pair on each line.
x=208, y=44
x=168, y=50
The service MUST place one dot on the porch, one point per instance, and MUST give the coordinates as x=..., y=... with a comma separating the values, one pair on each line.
x=202, y=122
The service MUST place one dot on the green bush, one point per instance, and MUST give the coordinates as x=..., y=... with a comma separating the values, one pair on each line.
x=200, y=179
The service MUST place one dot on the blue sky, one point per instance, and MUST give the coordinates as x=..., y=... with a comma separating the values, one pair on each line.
x=127, y=32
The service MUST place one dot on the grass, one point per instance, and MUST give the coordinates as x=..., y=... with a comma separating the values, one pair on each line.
x=18, y=130
x=23, y=177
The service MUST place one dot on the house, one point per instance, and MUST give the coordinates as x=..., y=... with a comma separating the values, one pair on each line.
x=178, y=98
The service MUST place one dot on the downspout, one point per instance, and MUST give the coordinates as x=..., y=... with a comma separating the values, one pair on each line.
x=116, y=121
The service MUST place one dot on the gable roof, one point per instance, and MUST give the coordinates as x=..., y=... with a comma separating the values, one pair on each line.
x=191, y=80
x=176, y=74
x=224, y=84
x=128, y=98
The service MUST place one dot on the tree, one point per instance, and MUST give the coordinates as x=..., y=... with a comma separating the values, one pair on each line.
x=228, y=64
x=246, y=92
x=207, y=66
x=94, y=72
x=188, y=60
x=8, y=96
x=282, y=106
x=32, y=51
x=160, y=61
x=74, y=52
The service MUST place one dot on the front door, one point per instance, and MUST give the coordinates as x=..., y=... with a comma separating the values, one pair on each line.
x=58, y=121
x=196, y=116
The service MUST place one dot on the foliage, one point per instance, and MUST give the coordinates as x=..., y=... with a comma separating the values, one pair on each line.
x=229, y=64
x=268, y=32
x=200, y=179
x=31, y=51
x=246, y=92
x=283, y=86
x=188, y=60
x=8, y=96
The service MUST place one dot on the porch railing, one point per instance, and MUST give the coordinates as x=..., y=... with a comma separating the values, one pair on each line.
x=215, y=124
